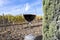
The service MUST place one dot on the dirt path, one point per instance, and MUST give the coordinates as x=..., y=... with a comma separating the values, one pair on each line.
x=18, y=32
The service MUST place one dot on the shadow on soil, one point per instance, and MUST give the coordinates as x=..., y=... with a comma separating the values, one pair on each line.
x=38, y=37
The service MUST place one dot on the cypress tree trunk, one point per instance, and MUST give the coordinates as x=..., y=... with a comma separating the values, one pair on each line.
x=51, y=20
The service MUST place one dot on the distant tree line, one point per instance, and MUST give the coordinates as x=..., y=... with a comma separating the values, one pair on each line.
x=11, y=19
x=5, y=19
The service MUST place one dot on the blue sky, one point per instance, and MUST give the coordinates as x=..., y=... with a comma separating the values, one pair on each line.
x=16, y=7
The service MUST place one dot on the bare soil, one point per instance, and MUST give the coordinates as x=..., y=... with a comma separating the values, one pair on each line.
x=17, y=32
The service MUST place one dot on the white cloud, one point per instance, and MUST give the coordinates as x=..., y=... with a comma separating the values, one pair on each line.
x=27, y=6
x=3, y=2
x=14, y=10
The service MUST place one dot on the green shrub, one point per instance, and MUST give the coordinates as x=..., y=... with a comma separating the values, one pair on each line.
x=51, y=10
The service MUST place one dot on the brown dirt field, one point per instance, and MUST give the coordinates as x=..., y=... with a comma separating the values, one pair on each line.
x=17, y=32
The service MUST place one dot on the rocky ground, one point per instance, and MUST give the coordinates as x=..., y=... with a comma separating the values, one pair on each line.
x=18, y=32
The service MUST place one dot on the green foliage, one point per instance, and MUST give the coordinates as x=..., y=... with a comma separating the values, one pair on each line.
x=12, y=19
x=51, y=9
x=19, y=18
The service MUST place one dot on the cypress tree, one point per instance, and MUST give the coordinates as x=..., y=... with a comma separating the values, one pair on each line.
x=51, y=19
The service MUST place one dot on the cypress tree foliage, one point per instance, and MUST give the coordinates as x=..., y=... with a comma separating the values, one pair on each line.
x=51, y=20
